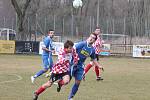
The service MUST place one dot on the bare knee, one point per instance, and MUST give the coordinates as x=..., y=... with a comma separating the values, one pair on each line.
x=66, y=79
x=47, y=84
x=91, y=62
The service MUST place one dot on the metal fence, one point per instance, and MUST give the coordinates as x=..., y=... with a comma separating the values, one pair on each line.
x=121, y=33
x=121, y=49
x=80, y=25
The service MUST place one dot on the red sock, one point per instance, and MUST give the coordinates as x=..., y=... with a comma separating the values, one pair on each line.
x=86, y=69
x=61, y=82
x=97, y=71
x=40, y=90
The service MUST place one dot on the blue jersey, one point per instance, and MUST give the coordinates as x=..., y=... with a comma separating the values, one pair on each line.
x=48, y=44
x=84, y=50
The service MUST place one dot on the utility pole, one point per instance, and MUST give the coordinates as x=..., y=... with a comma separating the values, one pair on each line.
x=97, y=22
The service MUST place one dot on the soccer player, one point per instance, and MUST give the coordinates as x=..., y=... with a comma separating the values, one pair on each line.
x=97, y=46
x=84, y=50
x=60, y=71
x=46, y=55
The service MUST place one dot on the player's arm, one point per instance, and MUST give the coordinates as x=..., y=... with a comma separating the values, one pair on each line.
x=52, y=46
x=95, y=62
x=75, y=57
x=100, y=43
x=45, y=49
x=45, y=46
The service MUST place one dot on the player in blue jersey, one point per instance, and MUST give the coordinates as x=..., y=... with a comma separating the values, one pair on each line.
x=84, y=49
x=46, y=55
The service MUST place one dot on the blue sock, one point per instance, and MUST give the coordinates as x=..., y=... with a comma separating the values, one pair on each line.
x=39, y=73
x=74, y=90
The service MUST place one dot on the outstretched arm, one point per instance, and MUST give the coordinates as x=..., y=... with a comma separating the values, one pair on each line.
x=75, y=57
x=97, y=64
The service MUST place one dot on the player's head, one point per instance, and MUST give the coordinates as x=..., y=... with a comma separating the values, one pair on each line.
x=68, y=45
x=92, y=38
x=97, y=31
x=51, y=33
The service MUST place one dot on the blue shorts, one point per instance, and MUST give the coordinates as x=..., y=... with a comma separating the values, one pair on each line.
x=47, y=61
x=77, y=72
x=50, y=62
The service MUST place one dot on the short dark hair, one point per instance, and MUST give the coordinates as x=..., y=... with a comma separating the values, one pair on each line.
x=97, y=27
x=94, y=35
x=68, y=44
x=51, y=30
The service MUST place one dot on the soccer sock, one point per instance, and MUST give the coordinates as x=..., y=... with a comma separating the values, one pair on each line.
x=39, y=73
x=97, y=71
x=74, y=90
x=61, y=82
x=39, y=90
x=86, y=69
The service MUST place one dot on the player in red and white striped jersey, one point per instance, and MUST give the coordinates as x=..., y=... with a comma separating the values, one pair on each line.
x=97, y=45
x=63, y=63
x=60, y=71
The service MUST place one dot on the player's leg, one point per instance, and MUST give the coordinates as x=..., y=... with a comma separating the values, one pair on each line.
x=74, y=89
x=50, y=63
x=64, y=81
x=45, y=68
x=78, y=77
x=53, y=78
x=50, y=67
x=87, y=67
x=42, y=89
x=98, y=71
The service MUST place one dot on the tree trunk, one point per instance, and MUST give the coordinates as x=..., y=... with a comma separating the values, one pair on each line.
x=21, y=15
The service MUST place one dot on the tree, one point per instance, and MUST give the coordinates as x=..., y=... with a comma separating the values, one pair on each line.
x=21, y=12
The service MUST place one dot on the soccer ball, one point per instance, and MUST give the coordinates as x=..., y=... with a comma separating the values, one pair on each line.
x=77, y=3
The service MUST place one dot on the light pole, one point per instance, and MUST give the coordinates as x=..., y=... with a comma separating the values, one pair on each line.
x=76, y=4
x=97, y=22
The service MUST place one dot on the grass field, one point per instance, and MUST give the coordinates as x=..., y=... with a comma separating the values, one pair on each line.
x=124, y=79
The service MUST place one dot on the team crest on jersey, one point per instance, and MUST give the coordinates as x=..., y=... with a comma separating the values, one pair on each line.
x=85, y=53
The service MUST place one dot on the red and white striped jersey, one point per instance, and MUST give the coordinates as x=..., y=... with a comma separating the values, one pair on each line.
x=98, y=44
x=62, y=65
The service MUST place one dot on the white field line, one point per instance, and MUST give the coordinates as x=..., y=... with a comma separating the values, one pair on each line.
x=13, y=80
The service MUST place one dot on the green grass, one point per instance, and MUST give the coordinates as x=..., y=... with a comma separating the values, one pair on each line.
x=124, y=79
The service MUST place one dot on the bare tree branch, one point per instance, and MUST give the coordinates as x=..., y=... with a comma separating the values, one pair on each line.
x=16, y=6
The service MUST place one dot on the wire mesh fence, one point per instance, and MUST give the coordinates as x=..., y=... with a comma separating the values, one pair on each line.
x=121, y=33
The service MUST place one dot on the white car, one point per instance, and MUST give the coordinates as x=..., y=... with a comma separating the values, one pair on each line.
x=7, y=34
